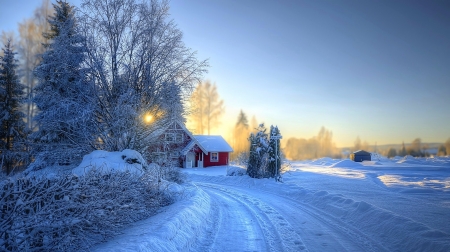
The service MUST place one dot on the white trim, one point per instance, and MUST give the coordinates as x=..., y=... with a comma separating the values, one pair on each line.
x=211, y=157
x=172, y=137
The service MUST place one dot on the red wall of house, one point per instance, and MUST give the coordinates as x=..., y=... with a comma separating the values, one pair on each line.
x=223, y=160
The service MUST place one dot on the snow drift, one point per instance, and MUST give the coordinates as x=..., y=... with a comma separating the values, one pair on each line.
x=126, y=160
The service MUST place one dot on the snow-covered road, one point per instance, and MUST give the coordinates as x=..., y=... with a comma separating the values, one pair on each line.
x=241, y=220
x=254, y=220
x=325, y=205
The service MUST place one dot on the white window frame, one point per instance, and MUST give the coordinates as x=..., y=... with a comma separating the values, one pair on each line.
x=179, y=137
x=174, y=137
x=211, y=157
x=168, y=137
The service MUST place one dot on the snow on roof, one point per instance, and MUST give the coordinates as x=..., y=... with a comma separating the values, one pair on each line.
x=190, y=145
x=361, y=152
x=213, y=143
x=161, y=130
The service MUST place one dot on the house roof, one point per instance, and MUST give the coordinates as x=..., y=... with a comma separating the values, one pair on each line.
x=191, y=145
x=213, y=143
x=361, y=152
x=208, y=144
x=161, y=130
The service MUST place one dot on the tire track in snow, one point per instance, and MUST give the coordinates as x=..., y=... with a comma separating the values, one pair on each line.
x=261, y=227
x=326, y=232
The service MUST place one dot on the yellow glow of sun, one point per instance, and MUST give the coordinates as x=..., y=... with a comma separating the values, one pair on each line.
x=148, y=118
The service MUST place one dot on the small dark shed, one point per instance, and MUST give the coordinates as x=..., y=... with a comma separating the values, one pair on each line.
x=359, y=156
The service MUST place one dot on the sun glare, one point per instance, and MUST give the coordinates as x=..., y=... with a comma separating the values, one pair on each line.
x=148, y=118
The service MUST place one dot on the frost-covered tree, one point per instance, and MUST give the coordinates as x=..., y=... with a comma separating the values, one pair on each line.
x=135, y=55
x=252, y=164
x=12, y=127
x=258, y=157
x=63, y=94
x=274, y=152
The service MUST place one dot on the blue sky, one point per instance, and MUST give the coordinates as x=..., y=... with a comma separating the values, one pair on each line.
x=379, y=70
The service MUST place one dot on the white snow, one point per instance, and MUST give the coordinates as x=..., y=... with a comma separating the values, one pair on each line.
x=111, y=161
x=213, y=143
x=323, y=205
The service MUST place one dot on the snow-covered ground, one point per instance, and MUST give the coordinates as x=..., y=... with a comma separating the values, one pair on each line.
x=323, y=205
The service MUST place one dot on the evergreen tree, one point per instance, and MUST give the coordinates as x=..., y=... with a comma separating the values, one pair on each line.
x=252, y=166
x=403, y=150
x=12, y=126
x=242, y=120
x=63, y=95
x=274, y=166
x=258, y=157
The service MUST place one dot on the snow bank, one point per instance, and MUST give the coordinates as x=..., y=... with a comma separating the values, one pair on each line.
x=389, y=229
x=394, y=230
x=126, y=160
x=325, y=161
x=346, y=163
x=174, y=229
x=409, y=160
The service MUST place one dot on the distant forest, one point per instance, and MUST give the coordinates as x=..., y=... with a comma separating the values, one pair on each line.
x=322, y=145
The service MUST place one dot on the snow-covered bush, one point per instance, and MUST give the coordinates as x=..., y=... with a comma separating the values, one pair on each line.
x=242, y=159
x=173, y=174
x=104, y=161
x=70, y=213
x=236, y=171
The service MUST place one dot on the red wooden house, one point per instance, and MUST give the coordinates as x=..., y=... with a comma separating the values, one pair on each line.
x=176, y=143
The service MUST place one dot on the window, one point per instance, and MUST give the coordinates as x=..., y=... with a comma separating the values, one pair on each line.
x=174, y=137
x=169, y=137
x=179, y=138
x=214, y=157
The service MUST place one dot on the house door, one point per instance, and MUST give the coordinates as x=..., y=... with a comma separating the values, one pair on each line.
x=190, y=160
x=200, y=160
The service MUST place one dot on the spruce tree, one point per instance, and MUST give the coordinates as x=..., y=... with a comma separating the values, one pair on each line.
x=12, y=125
x=274, y=153
x=258, y=158
x=63, y=95
x=252, y=165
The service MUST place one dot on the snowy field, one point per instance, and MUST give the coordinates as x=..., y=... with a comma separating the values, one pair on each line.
x=323, y=205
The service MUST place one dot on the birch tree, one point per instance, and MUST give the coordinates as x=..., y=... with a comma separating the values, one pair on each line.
x=30, y=48
x=136, y=57
x=207, y=108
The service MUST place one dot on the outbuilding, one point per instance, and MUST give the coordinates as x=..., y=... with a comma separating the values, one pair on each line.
x=360, y=155
x=205, y=151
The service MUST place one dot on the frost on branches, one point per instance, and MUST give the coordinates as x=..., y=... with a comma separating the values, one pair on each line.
x=13, y=151
x=63, y=95
x=264, y=158
x=140, y=67
x=71, y=212
x=258, y=160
